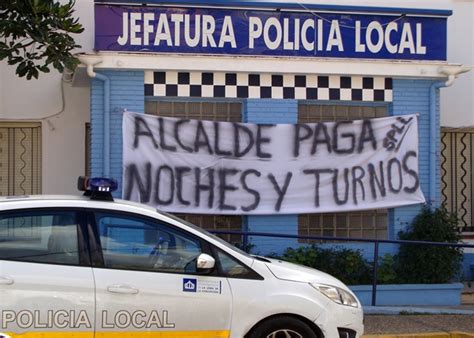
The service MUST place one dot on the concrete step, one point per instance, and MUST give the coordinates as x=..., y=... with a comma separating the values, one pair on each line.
x=467, y=298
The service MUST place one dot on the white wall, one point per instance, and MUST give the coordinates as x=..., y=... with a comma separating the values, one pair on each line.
x=457, y=102
x=35, y=100
x=43, y=96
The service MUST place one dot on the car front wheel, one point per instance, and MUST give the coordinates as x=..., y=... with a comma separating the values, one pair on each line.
x=282, y=327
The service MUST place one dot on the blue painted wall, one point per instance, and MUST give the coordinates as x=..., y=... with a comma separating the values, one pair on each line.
x=409, y=97
x=127, y=92
x=411, y=294
x=468, y=267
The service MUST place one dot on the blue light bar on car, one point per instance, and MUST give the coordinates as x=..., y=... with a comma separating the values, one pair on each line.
x=99, y=188
x=102, y=184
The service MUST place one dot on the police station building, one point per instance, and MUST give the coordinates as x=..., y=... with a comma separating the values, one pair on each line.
x=262, y=116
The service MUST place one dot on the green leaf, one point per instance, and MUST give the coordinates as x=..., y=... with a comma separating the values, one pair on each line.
x=44, y=69
x=38, y=30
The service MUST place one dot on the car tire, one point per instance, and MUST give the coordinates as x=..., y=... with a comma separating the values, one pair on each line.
x=282, y=326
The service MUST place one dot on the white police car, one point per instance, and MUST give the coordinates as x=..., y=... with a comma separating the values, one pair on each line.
x=92, y=267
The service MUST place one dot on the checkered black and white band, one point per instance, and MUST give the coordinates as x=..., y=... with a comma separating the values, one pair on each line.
x=272, y=86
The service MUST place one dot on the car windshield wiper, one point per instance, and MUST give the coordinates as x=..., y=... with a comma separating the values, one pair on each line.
x=260, y=258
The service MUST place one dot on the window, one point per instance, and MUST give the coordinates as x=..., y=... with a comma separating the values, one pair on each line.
x=214, y=222
x=229, y=267
x=313, y=113
x=363, y=224
x=20, y=158
x=212, y=111
x=139, y=244
x=457, y=180
x=40, y=237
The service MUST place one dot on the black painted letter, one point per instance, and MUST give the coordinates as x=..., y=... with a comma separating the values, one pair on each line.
x=255, y=193
x=374, y=179
x=411, y=172
x=357, y=180
x=280, y=191
x=177, y=136
x=367, y=135
x=140, y=122
x=204, y=187
x=394, y=161
x=262, y=140
x=158, y=182
x=201, y=138
x=318, y=129
x=298, y=138
x=144, y=187
x=316, y=173
x=237, y=140
x=335, y=187
x=224, y=187
x=336, y=136
x=180, y=172
x=162, y=137
x=217, y=148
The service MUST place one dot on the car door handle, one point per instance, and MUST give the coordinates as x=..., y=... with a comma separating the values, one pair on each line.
x=6, y=281
x=122, y=289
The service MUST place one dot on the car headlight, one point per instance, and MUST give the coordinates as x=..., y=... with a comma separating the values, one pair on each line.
x=337, y=295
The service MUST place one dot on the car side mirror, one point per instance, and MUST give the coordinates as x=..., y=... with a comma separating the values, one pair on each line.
x=205, y=263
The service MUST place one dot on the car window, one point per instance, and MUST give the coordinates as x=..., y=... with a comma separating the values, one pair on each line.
x=139, y=244
x=230, y=267
x=207, y=234
x=41, y=237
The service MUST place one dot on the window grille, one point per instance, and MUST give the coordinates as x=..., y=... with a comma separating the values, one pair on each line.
x=212, y=111
x=457, y=180
x=365, y=224
x=20, y=158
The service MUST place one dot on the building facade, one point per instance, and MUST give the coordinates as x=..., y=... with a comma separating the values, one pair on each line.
x=149, y=59
x=145, y=64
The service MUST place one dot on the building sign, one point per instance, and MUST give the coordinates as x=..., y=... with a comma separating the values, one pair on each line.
x=271, y=33
x=195, y=166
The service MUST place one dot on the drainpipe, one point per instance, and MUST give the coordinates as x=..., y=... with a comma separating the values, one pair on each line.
x=452, y=75
x=90, y=63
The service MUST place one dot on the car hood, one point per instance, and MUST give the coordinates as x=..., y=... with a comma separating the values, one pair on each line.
x=298, y=273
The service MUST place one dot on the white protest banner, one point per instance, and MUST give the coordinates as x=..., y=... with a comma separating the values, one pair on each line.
x=207, y=167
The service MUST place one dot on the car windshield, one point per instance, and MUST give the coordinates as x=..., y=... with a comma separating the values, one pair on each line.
x=207, y=233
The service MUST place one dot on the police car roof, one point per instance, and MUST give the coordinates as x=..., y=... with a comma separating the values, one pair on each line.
x=41, y=197
x=72, y=198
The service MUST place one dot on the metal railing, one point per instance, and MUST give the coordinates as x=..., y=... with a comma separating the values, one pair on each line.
x=245, y=241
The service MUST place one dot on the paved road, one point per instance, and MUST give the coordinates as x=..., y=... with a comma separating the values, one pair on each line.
x=382, y=324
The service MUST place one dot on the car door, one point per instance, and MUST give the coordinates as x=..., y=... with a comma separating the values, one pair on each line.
x=146, y=280
x=46, y=282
